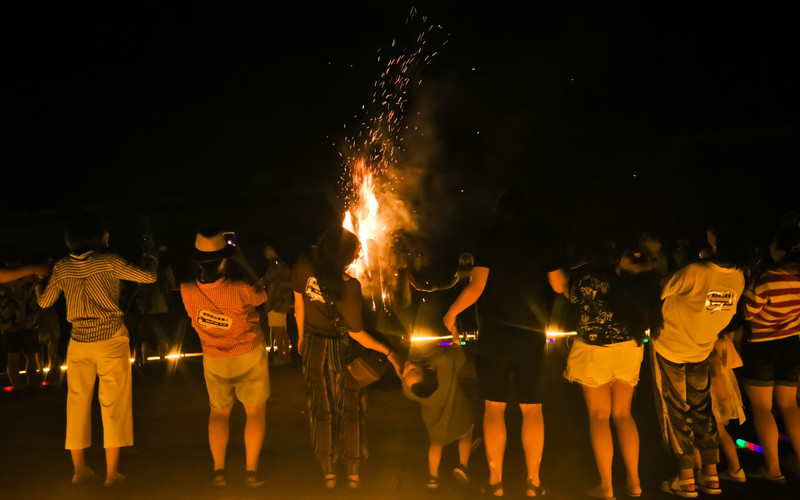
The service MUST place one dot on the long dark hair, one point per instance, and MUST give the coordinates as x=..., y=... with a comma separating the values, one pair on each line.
x=333, y=252
x=636, y=302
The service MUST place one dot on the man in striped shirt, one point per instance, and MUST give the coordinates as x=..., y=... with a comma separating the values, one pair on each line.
x=90, y=279
x=771, y=355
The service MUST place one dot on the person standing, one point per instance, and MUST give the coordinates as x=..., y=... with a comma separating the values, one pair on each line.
x=618, y=305
x=19, y=326
x=771, y=354
x=510, y=276
x=336, y=404
x=278, y=280
x=699, y=302
x=221, y=302
x=90, y=279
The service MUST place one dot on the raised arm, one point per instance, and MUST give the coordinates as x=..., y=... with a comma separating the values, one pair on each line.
x=16, y=273
x=124, y=270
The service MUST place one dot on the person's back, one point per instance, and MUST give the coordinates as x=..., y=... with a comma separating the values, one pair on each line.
x=91, y=284
x=699, y=302
x=89, y=277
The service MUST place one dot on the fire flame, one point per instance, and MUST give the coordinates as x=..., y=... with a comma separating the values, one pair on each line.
x=363, y=219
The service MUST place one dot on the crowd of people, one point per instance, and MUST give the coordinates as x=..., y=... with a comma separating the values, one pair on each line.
x=714, y=323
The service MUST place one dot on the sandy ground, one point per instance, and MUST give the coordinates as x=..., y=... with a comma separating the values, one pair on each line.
x=171, y=459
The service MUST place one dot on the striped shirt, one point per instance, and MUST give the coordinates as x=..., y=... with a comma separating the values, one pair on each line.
x=91, y=285
x=224, y=316
x=772, y=305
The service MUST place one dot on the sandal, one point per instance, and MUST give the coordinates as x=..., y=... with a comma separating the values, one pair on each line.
x=736, y=477
x=704, y=483
x=80, y=480
x=116, y=481
x=538, y=491
x=492, y=489
x=219, y=478
x=631, y=494
x=675, y=487
x=460, y=473
x=597, y=492
x=433, y=482
x=761, y=473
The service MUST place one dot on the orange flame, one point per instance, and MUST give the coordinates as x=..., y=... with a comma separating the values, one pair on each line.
x=363, y=219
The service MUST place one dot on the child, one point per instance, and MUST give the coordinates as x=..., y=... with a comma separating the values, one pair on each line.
x=90, y=278
x=726, y=404
x=433, y=383
x=222, y=306
x=699, y=302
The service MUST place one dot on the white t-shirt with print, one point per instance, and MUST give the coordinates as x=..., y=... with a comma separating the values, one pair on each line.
x=699, y=301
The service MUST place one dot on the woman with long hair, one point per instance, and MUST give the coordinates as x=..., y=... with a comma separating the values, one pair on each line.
x=336, y=403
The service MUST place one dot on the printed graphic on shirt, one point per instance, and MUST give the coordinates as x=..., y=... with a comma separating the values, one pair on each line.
x=207, y=319
x=720, y=300
x=313, y=291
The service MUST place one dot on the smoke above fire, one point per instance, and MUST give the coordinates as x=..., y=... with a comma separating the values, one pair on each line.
x=380, y=175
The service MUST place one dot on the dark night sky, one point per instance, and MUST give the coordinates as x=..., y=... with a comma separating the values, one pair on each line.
x=648, y=114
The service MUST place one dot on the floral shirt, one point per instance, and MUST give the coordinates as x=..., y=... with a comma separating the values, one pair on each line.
x=597, y=325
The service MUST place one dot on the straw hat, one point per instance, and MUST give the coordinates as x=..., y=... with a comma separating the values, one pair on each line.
x=209, y=248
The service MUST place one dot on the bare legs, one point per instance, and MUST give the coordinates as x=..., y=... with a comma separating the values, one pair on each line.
x=494, y=436
x=602, y=403
x=254, y=429
x=494, y=439
x=532, y=439
x=218, y=433
x=435, y=453
x=464, y=447
x=434, y=457
x=728, y=447
x=766, y=427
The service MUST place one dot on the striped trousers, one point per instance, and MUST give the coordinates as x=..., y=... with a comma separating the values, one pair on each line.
x=336, y=405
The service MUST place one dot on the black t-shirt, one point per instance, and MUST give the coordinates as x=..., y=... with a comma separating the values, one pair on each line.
x=518, y=296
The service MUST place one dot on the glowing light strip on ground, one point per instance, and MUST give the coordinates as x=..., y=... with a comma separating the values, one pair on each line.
x=435, y=338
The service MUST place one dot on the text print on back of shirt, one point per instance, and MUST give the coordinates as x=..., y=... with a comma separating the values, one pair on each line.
x=207, y=319
x=720, y=300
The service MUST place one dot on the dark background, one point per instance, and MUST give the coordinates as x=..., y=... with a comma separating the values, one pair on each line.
x=615, y=119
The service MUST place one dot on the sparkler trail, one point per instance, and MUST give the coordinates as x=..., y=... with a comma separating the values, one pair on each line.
x=373, y=160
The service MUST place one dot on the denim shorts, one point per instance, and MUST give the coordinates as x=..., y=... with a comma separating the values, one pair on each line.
x=771, y=362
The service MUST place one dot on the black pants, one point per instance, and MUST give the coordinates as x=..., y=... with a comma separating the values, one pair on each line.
x=683, y=402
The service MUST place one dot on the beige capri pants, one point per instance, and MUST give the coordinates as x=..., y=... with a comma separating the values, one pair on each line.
x=108, y=360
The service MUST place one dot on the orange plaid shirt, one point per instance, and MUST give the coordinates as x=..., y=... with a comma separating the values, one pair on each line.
x=224, y=316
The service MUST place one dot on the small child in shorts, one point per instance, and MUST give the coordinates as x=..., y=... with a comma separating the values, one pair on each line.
x=433, y=383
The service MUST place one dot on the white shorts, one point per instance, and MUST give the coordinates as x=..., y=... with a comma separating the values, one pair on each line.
x=593, y=366
x=244, y=377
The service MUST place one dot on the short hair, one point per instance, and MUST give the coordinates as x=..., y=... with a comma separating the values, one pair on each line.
x=84, y=230
x=425, y=387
